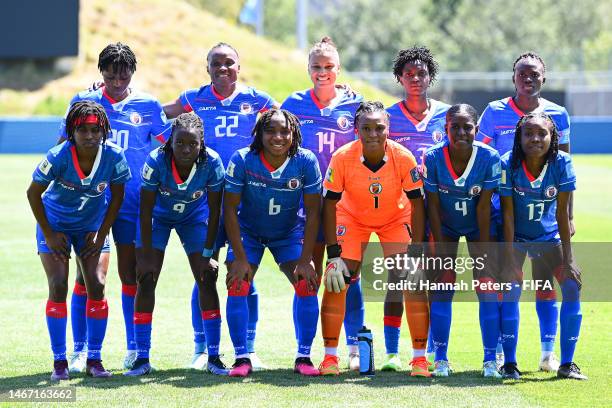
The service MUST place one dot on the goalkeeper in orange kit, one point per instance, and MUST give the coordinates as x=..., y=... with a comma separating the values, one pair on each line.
x=372, y=185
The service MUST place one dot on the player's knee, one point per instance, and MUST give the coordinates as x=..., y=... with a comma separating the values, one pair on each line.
x=302, y=290
x=146, y=284
x=570, y=290
x=239, y=288
x=58, y=289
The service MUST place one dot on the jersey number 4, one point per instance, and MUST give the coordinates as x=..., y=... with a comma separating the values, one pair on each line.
x=461, y=206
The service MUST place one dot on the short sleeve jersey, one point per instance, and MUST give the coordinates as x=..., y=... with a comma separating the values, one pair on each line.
x=459, y=194
x=418, y=136
x=228, y=122
x=535, y=198
x=135, y=122
x=373, y=198
x=75, y=202
x=271, y=198
x=497, y=123
x=324, y=128
x=181, y=201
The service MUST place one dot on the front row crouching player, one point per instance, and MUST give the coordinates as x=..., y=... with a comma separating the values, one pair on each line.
x=175, y=180
x=368, y=187
x=67, y=197
x=536, y=182
x=460, y=177
x=268, y=180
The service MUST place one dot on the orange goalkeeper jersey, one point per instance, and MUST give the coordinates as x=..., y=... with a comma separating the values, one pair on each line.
x=373, y=198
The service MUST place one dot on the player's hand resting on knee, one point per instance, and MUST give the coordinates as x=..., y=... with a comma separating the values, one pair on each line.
x=335, y=274
x=238, y=271
x=306, y=271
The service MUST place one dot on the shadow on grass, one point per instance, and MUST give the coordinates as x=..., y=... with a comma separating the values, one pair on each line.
x=186, y=378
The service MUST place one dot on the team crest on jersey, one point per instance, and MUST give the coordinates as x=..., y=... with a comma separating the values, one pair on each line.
x=475, y=190
x=340, y=230
x=246, y=108
x=101, y=187
x=197, y=194
x=437, y=136
x=44, y=167
x=293, y=183
x=415, y=175
x=343, y=122
x=550, y=192
x=375, y=188
x=135, y=118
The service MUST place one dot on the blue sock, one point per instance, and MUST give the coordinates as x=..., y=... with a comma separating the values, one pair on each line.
x=253, y=301
x=355, y=310
x=237, y=313
x=77, y=317
x=199, y=338
x=571, y=319
x=97, y=318
x=392, y=333
x=430, y=344
x=510, y=322
x=307, y=316
x=548, y=314
x=489, y=323
x=296, y=327
x=211, y=320
x=440, y=321
x=142, y=333
x=57, y=320
x=128, y=294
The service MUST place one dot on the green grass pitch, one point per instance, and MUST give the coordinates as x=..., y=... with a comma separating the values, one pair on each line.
x=25, y=357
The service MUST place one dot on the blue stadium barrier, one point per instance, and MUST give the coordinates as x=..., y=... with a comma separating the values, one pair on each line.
x=35, y=134
x=590, y=135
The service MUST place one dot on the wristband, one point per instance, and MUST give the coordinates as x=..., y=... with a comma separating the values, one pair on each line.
x=334, y=251
x=207, y=252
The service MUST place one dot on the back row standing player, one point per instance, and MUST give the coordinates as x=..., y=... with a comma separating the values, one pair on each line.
x=497, y=127
x=417, y=123
x=327, y=113
x=136, y=118
x=229, y=112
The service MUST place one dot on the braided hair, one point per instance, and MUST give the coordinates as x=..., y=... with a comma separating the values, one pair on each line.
x=81, y=110
x=517, y=151
x=219, y=45
x=188, y=121
x=411, y=55
x=528, y=55
x=293, y=123
x=119, y=56
x=366, y=107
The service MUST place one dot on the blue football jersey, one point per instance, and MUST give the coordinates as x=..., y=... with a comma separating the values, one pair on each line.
x=228, y=122
x=75, y=202
x=135, y=122
x=271, y=199
x=324, y=129
x=459, y=194
x=418, y=136
x=535, y=198
x=497, y=123
x=181, y=201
